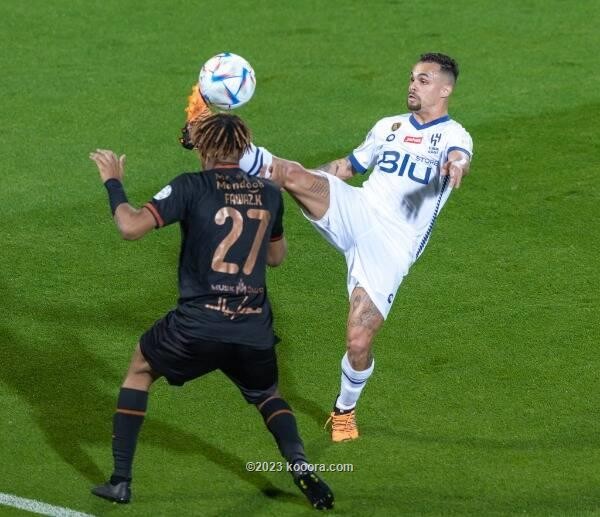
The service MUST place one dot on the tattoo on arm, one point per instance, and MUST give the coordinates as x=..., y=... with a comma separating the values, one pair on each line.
x=329, y=168
x=320, y=187
x=336, y=167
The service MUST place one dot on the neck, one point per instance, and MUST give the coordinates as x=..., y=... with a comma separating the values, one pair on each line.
x=426, y=116
x=211, y=163
x=225, y=165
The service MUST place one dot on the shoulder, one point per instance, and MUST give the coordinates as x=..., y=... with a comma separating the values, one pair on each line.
x=271, y=194
x=459, y=138
x=391, y=123
x=186, y=178
x=178, y=185
x=386, y=125
x=194, y=185
x=456, y=127
x=196, y=182
x=269, y=187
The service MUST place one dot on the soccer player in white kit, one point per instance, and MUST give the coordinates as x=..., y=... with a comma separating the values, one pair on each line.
x=382, y=227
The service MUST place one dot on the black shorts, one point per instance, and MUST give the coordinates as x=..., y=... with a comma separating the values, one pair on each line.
x=180, y=359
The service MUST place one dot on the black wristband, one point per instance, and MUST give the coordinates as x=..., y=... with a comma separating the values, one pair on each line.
x=116, y=193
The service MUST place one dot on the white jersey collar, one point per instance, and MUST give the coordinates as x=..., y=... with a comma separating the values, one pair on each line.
x=416, y=124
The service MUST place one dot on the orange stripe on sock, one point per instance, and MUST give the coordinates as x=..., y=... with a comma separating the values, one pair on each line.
x=277, y=413
x=131, y=412
x=267, y=400
x=154, y=212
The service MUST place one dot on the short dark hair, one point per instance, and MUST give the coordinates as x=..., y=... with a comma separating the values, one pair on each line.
x=221, y=136
x=447, y=64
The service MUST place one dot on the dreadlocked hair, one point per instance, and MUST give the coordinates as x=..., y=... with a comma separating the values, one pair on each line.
x=222, y=136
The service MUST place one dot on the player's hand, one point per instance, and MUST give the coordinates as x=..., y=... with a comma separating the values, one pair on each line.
x=456, y=170
x=109, y=164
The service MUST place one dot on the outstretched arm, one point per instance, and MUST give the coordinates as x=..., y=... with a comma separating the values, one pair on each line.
x=132, y=222
x=341, y=168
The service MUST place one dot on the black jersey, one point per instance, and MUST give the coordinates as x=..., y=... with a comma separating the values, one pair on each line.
x=227, y=219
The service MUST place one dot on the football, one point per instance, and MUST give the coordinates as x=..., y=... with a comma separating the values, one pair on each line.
x=227, y=81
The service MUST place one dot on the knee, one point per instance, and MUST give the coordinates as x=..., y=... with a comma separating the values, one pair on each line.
x=358, y=345
x=139, y=374
x=139, y=364
x=358, y=339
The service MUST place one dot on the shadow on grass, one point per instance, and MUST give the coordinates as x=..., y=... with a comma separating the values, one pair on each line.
x=59, y=380
x=288, y=388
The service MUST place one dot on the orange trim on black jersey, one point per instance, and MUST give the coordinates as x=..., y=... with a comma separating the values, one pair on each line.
x=276, y=238
x=159, y=222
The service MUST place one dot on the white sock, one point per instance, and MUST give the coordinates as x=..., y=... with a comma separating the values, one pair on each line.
x=352, y=384
x=254, y=158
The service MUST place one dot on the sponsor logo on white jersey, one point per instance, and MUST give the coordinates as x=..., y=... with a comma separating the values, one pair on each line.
x=435, y=140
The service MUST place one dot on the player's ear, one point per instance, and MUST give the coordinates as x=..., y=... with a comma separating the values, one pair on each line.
x=446, y=90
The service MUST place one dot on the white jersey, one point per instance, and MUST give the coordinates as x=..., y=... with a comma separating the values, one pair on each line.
x=406, y=157
x=383, y=227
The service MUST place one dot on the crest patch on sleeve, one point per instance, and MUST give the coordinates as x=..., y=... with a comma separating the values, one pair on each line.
x=164, y=193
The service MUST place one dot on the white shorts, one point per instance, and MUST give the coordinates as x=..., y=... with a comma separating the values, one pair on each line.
x=379, y=251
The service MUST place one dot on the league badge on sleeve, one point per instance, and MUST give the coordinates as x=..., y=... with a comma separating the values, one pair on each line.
x=164, y=193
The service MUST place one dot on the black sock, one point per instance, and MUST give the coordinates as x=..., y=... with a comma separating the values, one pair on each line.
x=281, y=422
x=128, y=419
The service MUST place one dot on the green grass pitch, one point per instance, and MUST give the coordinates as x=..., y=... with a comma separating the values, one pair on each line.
x=485, y=398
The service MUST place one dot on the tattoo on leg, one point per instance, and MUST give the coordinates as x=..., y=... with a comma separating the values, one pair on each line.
x=320, y=187
x=356, y=299
x=364, y=313
x=368, y=317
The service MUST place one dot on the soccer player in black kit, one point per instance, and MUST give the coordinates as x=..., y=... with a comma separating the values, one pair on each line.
x=232, y=229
